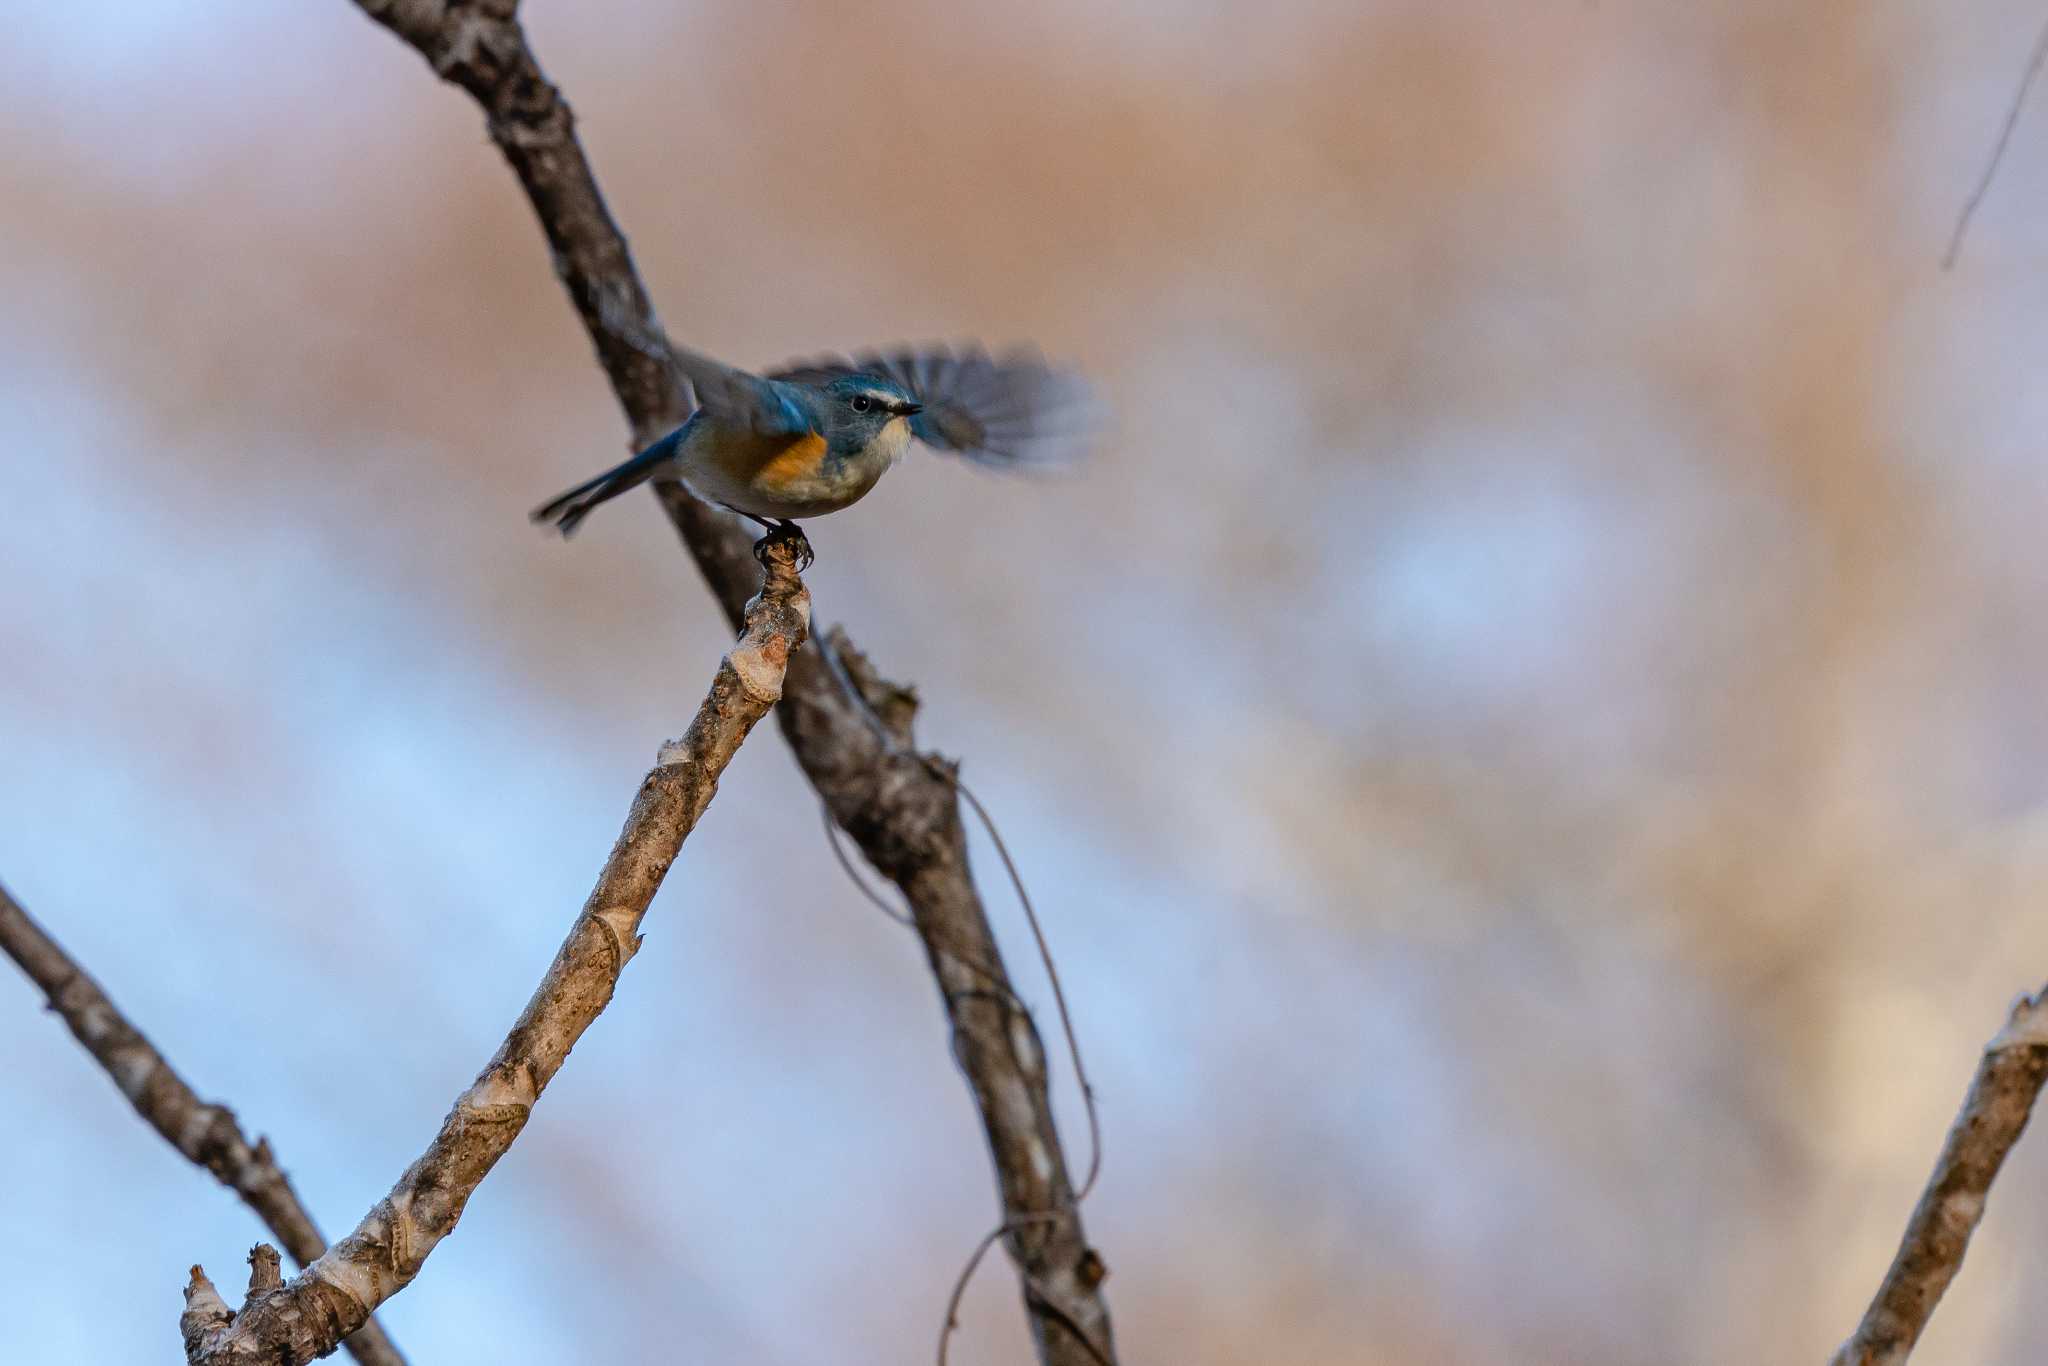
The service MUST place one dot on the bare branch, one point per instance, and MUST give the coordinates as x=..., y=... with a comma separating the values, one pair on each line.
x=897, y=804
x=282, y=1325
x=2009, y=1077
x=207, y=1134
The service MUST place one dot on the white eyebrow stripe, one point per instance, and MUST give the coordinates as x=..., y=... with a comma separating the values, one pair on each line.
x=888, y=399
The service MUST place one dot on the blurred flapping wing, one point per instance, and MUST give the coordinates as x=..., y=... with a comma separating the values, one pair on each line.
x=1012, y=412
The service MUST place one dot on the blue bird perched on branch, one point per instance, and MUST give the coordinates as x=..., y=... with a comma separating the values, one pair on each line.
x=814, y=437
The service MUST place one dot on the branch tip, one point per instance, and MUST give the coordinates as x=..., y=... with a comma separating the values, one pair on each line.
x=264, y=1269
x=2010, y=1073
x=206, y=1134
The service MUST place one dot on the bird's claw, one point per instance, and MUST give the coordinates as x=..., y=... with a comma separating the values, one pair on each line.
x=791, y=535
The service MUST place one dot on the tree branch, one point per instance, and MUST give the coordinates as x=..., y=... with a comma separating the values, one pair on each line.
x=1994, y=1113
x=207, y=1134
x=897, y=804
x=294, y=1322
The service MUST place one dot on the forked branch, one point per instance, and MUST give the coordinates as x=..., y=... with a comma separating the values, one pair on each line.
x=206, y=1133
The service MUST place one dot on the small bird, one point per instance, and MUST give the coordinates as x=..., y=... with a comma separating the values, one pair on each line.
x=814, y=437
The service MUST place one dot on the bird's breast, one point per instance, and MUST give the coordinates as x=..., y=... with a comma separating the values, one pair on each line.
x=798, y=464
x=775, y=477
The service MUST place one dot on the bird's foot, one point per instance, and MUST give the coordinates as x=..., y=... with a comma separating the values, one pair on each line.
x=786, y=534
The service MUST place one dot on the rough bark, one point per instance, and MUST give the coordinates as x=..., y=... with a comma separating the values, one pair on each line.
x=285, y=1323
x=897, y=804
x=206, y=1133
x=1994, y=1113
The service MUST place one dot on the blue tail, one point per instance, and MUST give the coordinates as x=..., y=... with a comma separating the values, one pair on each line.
x=567, y=512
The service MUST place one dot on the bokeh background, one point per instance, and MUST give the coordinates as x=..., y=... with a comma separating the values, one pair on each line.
x=1530, y=742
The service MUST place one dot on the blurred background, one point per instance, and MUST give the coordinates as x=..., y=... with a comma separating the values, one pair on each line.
x=1529, y=743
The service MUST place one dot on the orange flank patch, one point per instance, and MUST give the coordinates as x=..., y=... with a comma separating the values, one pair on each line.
x=792, y=465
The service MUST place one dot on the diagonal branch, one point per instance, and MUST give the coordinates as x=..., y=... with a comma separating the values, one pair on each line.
x=2001, y=1097
x=207, y=1134
x=897, y=804
x=284, y=1324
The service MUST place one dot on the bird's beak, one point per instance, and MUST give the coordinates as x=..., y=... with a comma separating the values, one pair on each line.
x=910, y=410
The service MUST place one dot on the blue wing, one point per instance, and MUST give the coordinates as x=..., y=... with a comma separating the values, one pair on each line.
x=1011, y=412
x=766, y=407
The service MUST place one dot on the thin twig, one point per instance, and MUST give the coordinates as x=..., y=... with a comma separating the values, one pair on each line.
x=207, y=1134
x=952, y=1319
x=905, y=821
x=960, y=1283
x=854, y=692
x=285, y=1325
x=844, y=678
x=1994, y=1113
x=1052, y=974
x=832, y=837
x=2005, y=132
x=1093, y=1269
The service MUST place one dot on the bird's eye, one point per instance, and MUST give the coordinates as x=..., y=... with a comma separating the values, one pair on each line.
x=861, y=403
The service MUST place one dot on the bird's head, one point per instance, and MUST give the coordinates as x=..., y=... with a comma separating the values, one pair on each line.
x=859, y=407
